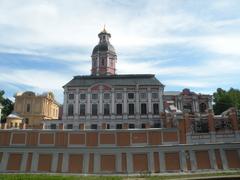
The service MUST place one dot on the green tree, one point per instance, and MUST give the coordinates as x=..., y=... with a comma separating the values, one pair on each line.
x=7, y=106
x=226, y=99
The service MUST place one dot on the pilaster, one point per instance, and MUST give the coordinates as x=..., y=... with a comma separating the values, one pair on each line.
x=34, y=165
x=85, y=163
x=54, y=162
x=24, y=162
x=3, y=165
x=223, y=158
x=183, y=162
x=162, y=161
x=65, y=162
x=212, y=159
x=129, y=163
x=193, y=160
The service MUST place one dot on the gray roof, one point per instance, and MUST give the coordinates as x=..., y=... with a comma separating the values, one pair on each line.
x=114, y=80
x=103, y=47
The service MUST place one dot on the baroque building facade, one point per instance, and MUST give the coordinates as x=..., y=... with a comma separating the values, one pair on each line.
x=32, y=109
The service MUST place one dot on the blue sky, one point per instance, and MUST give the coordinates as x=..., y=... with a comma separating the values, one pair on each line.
x=186, y=43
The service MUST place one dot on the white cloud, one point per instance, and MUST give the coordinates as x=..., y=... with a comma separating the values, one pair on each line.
x=36, y=27
x=35, y=78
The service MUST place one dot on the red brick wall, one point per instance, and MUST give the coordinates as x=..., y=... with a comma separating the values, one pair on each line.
x=202, y=159
x=140, y=162
x=233, y=159
x=172, y=161
x=75, y=163
x=14, y=161
x=44, y=162
x=108, y=163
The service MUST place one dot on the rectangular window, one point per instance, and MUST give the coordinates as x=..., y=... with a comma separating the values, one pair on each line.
x=143, y=126
x=119, y=126
x=130, y=95
x=106, y=109
x=53, y=126
x=156, y=125
x=106, y=96
x=131, y=109
x=70, y=110
x=119, y=95
x=82, y=109
x=94, y=109
x=131, y=126
x=71, y=96
x=143, y=108
x=119, y=109
x=28, y=108
x=155, y=95
x=94, y=96
x=82, y=96
x=143, y=95
x=155, y=108
x=69, y=126
x=94, y=126
x=108, y=126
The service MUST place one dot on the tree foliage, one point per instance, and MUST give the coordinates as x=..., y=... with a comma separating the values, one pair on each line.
x=226, y=99
x=7, y=106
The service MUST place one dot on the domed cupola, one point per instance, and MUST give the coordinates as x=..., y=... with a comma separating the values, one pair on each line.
x=104, y=56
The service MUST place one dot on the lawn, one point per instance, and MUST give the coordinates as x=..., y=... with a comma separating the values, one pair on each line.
x=142, y=177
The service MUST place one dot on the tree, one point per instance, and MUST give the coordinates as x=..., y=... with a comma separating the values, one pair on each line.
x=226, y=99
x=7, y=106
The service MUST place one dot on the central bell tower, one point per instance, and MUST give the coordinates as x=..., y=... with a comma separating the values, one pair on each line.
x=104, y=57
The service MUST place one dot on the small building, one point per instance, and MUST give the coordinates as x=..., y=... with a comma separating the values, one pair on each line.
x=32, y=108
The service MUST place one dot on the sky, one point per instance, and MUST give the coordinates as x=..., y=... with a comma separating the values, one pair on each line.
x=186, y=43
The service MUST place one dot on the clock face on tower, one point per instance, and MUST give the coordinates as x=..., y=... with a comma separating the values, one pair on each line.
x=104, y=56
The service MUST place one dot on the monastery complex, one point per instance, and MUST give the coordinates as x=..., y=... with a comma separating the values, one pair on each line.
x=118, y=124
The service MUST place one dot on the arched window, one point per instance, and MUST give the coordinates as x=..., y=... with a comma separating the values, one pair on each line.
x=202, y=107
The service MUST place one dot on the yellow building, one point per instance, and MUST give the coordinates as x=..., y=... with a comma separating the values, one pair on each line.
x=32, y=108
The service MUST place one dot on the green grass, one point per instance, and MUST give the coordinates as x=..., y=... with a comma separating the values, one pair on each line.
x=55, y=177
x=76, y=177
